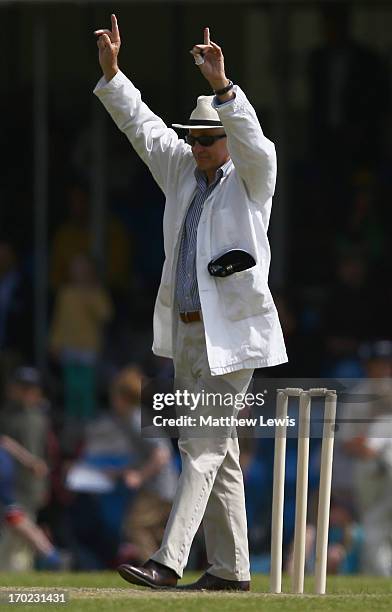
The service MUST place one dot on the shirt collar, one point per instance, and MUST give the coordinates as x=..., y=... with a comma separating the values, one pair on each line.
x=226, y=167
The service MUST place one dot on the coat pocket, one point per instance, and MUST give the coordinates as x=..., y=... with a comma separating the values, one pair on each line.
x=244, y=294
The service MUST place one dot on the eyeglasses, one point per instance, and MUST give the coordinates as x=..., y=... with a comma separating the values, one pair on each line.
x=204, y=141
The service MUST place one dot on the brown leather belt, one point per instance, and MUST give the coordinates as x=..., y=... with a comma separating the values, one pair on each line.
x=191, y=317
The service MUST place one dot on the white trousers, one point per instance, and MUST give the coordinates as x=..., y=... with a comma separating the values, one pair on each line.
x=211, y=483
x=377, y=545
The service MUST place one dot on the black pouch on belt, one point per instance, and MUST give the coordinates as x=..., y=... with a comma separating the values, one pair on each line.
x=232, y=261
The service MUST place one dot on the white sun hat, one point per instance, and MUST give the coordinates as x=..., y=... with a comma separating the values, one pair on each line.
x=204, y=116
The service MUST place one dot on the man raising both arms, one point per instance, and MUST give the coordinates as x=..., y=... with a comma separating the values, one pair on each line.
x=218, y=187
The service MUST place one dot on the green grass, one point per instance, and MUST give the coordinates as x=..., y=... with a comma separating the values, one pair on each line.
x=106, y=592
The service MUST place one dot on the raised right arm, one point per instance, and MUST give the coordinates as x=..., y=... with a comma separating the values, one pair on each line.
x=157, y=145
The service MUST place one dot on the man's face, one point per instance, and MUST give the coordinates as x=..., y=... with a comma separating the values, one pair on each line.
x=29, y=396
x=213, y=157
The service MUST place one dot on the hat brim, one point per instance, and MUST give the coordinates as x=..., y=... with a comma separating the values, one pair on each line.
x=200, y=126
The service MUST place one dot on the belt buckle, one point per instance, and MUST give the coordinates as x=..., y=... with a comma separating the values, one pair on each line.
x=187, y=318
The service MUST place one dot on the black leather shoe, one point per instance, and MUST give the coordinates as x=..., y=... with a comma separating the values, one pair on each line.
x=151, y=574
x=208, y=582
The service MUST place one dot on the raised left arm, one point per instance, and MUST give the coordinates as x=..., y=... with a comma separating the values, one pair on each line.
x=253, y=155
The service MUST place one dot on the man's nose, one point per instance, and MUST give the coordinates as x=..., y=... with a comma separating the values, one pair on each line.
x=197, y=147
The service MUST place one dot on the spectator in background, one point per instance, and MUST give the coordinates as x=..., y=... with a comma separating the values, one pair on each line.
x=82, y=309
x=14, y=515
x=24, y=418
x=99, y=495
x=350, y=93
x=152, y=474
x=75, y=236
x=364, y=453
x=15, y=313
x=125, y=483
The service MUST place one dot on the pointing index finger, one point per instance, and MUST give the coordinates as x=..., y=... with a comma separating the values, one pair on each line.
x=206, y=36
x=115, y=30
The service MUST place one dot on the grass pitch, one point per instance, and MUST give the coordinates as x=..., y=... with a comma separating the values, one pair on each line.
x=107, y=592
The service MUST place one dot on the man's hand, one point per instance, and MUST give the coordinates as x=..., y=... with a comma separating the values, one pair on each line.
x=213, y=66
x=39, y=468
x=109, y=46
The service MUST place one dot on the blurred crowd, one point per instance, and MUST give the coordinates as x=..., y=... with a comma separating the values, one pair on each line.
x=79, y=487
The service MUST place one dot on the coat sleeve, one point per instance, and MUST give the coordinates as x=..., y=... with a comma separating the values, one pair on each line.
x=157, y=145
x=253, y=155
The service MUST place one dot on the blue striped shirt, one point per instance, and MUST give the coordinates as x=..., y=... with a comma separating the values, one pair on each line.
x=187, y=290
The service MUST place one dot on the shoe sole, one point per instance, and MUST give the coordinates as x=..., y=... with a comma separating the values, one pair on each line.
x=194, y=589
x=129, y=576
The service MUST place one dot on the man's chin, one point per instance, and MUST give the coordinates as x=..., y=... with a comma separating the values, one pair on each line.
x=203, y=164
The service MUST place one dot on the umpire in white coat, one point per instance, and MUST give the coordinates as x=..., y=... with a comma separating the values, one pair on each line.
x=218, y=187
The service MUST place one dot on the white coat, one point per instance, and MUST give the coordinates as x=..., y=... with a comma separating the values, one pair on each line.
x=241, y=322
